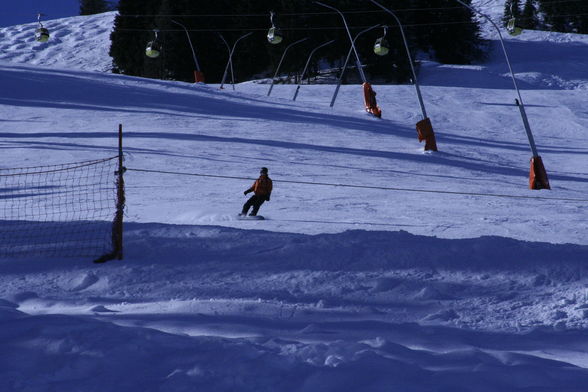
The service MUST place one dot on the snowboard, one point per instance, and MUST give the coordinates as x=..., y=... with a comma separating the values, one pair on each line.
x=247, y=217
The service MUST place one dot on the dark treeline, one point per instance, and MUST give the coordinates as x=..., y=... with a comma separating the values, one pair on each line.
x=442, y=29
x=566, y=16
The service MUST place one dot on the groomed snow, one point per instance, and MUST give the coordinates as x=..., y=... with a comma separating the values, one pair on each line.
x=340, y=288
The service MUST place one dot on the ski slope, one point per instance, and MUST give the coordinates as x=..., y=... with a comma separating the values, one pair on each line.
x=429, y=271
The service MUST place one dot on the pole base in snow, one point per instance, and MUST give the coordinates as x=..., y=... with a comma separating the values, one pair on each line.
x=538, y=176
x=369, y=96
x=425, y=132
x=198, y=77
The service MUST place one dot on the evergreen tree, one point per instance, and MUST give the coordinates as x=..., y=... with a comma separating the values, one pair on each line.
x=529, y=16
x=567, y=17
x=132, y=30
x=447, y=31
x=554, y=18
x=581, y=12
x=393, y=67
x=203, y=22
x=90, y=7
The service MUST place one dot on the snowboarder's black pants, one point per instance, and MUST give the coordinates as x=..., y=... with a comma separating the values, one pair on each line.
x=256, y=201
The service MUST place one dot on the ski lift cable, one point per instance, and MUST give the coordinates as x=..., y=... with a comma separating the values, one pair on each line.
x=527, y=18
x=292, y=28
x=366, y=186
x=320, y=13
x=327, y=28
x=264, y=15
x=561, y=1
x=272, y=14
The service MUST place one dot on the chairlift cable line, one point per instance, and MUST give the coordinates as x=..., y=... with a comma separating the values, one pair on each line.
x=292, y=28
x=364, y=186
x=264, y=15
x=321, y=13
x=328, y=28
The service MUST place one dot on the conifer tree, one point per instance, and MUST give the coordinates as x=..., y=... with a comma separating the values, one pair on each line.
x=132, y=30
x=203, y=22
x=554, y=15
x=565, y=16
x=448, y=31
x=443, y=28
x=529, y=16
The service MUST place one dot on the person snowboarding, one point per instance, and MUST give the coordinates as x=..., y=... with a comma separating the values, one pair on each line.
x=262, y=189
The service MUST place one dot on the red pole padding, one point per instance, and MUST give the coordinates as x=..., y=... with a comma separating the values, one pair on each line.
x=425, y=132
x=538, y=175
x=198, y=77
x=369, y=97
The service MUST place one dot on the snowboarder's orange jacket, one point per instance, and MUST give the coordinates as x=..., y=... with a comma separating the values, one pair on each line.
x=262, y=186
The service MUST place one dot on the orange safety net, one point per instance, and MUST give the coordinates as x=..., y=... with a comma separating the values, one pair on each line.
x=198, y=77
x=425, y=132
x=538, y=176
x=371, y=105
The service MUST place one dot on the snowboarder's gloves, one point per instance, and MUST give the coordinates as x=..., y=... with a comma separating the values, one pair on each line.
x=246, y=192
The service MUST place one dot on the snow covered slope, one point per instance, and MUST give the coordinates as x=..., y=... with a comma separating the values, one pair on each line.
x=80, y=42
x=341, y=288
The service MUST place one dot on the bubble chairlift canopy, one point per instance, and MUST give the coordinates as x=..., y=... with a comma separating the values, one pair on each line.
x=274, y=34
x=153, y=49
x=512, y=28
x=382, y=47
x=41, y=34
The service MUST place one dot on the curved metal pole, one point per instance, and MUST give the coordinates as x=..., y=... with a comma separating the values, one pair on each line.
x=230, y=62
x=346, y=61
x=229, y=50
x=414, y=76
x=280, y=63
x=358, y=61
x=520, y=100
x=39, y=19
x=306, y=66
x=190, y=42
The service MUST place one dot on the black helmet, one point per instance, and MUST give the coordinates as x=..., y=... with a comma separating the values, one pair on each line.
x=263, y=170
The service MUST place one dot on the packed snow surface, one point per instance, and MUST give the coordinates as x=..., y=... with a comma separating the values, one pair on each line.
x=379, y=266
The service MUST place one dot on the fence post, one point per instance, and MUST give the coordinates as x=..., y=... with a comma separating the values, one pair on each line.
x=117, y=223
x=117, y=232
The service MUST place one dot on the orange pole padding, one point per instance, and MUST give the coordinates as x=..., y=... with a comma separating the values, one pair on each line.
x=538, y=175
x=425, y=132
x=198, y=77
x=369, y=97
